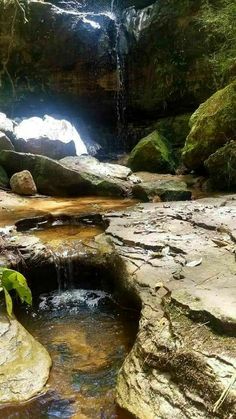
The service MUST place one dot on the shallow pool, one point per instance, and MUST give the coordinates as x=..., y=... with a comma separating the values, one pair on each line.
x=88, y=337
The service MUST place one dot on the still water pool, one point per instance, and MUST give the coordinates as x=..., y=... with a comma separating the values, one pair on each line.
x=88, y=337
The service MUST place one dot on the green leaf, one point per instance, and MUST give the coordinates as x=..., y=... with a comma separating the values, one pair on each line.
x=8, y=302
x=15, y=280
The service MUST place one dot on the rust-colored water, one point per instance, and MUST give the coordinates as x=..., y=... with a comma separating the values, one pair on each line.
x=14, y=207
x=88, y=338
x=56, y=235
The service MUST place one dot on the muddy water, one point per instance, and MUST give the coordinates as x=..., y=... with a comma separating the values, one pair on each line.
x=14, y=208
x=88, y=337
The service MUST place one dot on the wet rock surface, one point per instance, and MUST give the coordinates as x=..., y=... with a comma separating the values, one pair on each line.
x=176, y=260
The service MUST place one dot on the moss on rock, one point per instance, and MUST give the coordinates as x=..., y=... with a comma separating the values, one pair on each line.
x=152, y=154
x=222, y=167
x=213, y=125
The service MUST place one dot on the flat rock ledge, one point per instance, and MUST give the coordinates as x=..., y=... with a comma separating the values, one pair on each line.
x=24, y=363
x=177, y=261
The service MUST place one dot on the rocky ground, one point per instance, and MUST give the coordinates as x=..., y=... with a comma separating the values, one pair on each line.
x=177, y=262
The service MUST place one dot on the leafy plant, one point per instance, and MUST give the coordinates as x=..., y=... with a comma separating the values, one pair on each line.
x=13, y=280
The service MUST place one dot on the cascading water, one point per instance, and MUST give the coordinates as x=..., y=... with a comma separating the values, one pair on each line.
x=120, y=51
x=112, y=6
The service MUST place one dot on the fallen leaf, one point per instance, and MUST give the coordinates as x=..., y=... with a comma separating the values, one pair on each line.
x=194, y=263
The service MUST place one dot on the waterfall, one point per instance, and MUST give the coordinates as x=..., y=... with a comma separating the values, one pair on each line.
x=64, y=258
x=120, y=75
x=112, y=6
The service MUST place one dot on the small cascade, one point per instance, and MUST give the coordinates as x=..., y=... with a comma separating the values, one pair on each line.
x=63, y=258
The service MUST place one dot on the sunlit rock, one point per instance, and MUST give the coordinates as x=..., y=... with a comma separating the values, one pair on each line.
x=49, y=137
x=93, y=166
x=6, y=124
x=24, y=363
x=23, y=183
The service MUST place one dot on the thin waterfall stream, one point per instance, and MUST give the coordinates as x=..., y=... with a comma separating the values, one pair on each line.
x=120, y=77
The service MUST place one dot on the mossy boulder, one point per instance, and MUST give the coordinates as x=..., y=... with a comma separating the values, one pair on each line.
x=4, y=180
x=175, y=129
x=222, y=167
x=152, y=154
x=212, y=126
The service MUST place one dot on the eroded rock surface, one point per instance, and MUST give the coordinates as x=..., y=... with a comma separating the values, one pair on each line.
x=24, y=363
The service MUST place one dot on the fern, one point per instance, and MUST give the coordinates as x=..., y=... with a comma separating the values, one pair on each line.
x=13, y=280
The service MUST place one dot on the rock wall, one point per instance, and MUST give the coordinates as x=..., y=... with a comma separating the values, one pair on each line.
x=59, y=56
x=48, y=51
x=180, y=52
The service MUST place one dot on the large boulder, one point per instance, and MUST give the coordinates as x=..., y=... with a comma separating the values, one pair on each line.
x=213, y=125
x=5, y=142
x=49, y=137
x=152, y=154
x=53, y=178
x=4, y=180
x=22, y=183
x=24, y=363
x=221, y=167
